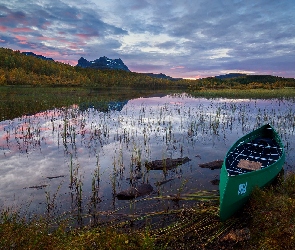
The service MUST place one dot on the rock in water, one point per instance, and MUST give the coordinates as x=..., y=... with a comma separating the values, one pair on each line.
x=166, y=164
x=134, y=192
x=212, y=164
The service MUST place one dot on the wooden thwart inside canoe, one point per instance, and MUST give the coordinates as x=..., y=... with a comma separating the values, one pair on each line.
x=250, y=165
x=252, y=161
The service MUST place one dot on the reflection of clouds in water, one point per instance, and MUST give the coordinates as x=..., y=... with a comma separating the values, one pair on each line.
x=50, y=143
x=26, y=170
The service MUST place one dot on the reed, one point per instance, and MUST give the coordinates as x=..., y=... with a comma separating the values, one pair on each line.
x=197, y=227
x=136, y=138
x=249, y=93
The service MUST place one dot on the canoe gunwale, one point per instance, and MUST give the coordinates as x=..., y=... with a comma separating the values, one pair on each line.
x=235, y=189
x=248, y=138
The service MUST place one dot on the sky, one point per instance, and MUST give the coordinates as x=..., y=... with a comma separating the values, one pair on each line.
x=181, y=38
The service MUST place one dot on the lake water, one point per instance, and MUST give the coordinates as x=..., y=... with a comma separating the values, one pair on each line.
x=75, y=160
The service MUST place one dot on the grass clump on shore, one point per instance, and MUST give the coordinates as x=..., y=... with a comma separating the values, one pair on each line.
x=15, y=233
x=268, y=220
x=272, y=216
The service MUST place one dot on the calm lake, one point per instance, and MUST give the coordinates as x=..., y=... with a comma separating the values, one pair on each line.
x=75, y=160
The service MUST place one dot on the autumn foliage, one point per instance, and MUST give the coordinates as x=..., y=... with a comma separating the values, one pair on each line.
x=19, y=69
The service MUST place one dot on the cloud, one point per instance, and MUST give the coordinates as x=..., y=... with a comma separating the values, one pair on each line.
x=200, y=35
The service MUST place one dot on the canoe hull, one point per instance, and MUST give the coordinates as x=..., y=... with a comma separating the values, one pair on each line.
x=236, y=189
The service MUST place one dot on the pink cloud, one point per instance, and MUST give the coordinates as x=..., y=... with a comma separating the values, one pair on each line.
x=70, y=45
x=198, y=76
x=75, y=46
x=3, y=28
x=86, y=36
x=44, y=38
x=71, y=62
x=21, y=30
x=144, y=68
x=48, y=54
x=22, y=39
x=46, y=25
x=177, y=67
x=44, y=53
x=83, y=36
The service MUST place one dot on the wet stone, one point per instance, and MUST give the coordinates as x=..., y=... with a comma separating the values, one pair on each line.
x=135, y=192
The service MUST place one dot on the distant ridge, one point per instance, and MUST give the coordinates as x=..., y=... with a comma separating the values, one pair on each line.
x=106, y=63
x=230, y=75
x=38, y=56
x=161, y=76
x=247, y=79
x=103, y=63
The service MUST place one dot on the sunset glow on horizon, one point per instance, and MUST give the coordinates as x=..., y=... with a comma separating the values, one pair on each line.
x=191, y=39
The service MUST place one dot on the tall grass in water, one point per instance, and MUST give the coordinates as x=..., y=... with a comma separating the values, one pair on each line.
x=214, y=120
x=249, y=93
x=15, y=233
x=183, y=228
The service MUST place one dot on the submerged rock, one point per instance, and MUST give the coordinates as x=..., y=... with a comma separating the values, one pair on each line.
x=212, y=164
x=160, y=183
x=134, y=192
x=55, y=177
x=166, y=164
x=215, y=182
x=37, y=187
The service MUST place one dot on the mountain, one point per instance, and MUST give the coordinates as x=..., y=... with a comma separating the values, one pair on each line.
x=230, y=75
x=103, y=63
x=38, y=56
x=161, y=76
x=106, y=63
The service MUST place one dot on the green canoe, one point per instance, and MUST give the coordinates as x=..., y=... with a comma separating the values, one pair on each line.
x=253, y=161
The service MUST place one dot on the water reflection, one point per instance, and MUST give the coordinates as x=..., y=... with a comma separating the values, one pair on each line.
x=77, y=159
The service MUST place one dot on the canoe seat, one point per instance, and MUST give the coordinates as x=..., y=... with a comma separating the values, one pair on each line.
x=250, y=165
x=253, y=155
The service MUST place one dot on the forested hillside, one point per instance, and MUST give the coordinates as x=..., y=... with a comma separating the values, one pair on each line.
x=243, y=82
x=19, y=69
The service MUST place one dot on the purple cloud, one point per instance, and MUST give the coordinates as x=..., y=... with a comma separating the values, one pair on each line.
x=178, y=38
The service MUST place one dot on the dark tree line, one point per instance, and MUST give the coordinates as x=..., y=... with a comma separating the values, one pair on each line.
x=19, y=69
